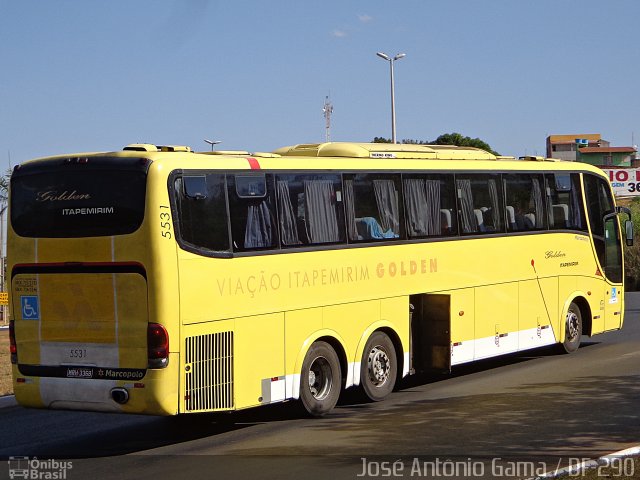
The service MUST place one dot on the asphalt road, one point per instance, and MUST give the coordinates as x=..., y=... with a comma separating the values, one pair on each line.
x=529, y=411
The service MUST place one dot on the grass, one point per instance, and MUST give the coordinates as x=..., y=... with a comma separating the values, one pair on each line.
x=6, y=387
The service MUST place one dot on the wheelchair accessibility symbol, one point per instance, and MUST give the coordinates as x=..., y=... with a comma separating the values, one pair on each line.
x=30, y=308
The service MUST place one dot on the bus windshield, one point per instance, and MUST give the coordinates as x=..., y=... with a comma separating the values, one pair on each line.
x=86, y=198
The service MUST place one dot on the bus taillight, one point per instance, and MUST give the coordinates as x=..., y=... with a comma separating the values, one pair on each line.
x=157, y=346
x=13, y=347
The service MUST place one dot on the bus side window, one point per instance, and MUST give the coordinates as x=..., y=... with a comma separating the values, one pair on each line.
x=429, y=203
x=479, y=203
x=202, y=211
x=251, y=208
x=310, y=209
x=564, y=200
x=372, y=207
x=525, y=204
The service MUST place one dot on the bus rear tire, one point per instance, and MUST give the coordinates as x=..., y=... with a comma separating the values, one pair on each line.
x=379, y=367
x=573, y=329
x=320, y=380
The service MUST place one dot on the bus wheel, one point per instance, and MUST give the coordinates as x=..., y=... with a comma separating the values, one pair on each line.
x=573, y=329
x=321, y=379
x=379, y=367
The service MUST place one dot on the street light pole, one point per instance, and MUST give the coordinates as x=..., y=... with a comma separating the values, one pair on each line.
x=212, y=143
x=391, y=61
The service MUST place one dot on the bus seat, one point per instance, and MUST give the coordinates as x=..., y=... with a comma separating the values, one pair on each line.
x=532, y=219
x=445, y=219
x=560, y=215
x=511, y=217
x=479, y=219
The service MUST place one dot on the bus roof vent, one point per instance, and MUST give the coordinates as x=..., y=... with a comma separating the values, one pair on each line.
x=141, y=147
x=147, y=147
x=243, y=153
x=305, y=150
x=174, y=148
x=386, y=151
x=358, y=150
x=531, y=158
x=265, y=155
x=240, y=153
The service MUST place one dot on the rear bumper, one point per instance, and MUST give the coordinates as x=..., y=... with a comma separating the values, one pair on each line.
x=155, y=394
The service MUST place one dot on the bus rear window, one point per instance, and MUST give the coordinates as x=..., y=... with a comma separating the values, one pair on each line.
x=57, y=199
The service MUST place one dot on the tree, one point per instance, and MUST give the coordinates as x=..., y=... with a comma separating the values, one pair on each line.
x=405, y=141
x=446, y=139
x=4, y=186
x=462, y=141
x=632, y=254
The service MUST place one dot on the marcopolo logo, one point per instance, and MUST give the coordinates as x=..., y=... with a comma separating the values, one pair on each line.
x=24, y=467
x=121, y=374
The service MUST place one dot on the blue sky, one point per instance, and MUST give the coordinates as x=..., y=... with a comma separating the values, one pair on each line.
x=93, y=76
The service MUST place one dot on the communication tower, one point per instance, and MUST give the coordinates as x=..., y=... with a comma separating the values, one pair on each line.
x=327, y=110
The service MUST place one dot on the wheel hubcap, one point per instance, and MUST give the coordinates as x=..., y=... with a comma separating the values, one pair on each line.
x=379, y=366
x=320, y=378
x=573, y=325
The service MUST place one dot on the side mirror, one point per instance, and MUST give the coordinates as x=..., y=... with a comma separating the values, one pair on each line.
x=628, y=225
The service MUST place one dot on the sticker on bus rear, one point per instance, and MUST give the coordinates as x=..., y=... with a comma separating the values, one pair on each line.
x=614, y=295
x=30, y=307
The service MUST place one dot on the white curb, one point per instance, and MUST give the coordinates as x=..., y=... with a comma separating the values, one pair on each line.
x=8, y=401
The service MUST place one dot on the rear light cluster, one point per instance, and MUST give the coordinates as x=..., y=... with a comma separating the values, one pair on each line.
x=157, y=346
x=13, y=347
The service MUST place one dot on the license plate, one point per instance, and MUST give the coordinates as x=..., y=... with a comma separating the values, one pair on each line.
x=76, y=372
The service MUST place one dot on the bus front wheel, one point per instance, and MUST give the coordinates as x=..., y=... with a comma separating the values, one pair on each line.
x=321, y=379
x=573, y=329
x=379, y=368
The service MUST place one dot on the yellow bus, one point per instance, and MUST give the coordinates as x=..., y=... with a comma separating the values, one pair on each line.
x=162, y=281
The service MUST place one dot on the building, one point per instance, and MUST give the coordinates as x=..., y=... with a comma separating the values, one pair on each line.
x=608, y=156
x=565, y=147
x=590, y=148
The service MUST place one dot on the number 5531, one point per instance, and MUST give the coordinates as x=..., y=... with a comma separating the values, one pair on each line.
x=165, y=222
